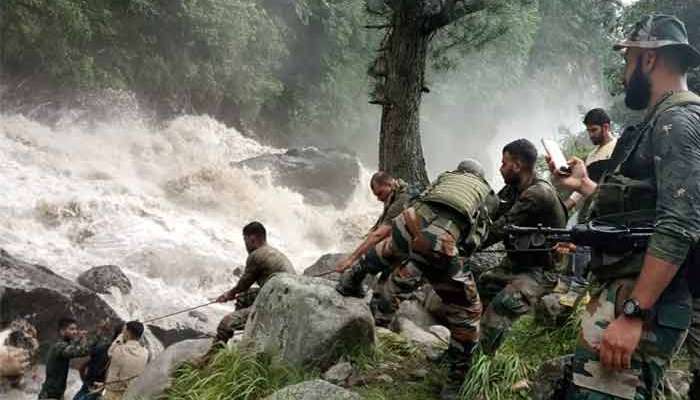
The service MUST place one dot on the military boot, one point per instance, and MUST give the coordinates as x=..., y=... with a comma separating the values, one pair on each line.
x=350, y=283
x=458, y=357
x=694, y=391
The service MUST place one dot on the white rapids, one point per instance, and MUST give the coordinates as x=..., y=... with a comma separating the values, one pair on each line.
x=161, y=203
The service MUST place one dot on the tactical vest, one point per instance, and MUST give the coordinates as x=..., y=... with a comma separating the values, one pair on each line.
x=466, y=196
x=626, y=201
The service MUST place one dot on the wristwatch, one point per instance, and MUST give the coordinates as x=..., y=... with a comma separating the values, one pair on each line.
x=632, y=309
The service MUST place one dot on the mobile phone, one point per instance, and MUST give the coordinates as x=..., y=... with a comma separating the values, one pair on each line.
x=555, y=154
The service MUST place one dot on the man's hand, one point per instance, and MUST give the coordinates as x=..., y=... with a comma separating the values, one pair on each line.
x=565, y=248
x=13, y=362
x=620, y=340
x=343, y=265
x=226, y=297
x=577, y=180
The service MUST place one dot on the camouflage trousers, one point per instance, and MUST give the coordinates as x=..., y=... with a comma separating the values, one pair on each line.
x=693, y=340
x=509, y=296
x=431, y=249
x=236, y=320
x=663, y=334
x=394, y=286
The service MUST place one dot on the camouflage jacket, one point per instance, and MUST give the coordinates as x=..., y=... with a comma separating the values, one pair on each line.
x=663, y=152
x=536, y=204
x=261, y=264
x=58, y=363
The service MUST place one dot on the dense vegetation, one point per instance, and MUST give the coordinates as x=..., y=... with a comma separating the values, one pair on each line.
x=295, y=71
x=389, y=371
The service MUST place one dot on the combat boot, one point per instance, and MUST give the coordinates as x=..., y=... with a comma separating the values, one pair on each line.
x=458, y=357
x=350, y=283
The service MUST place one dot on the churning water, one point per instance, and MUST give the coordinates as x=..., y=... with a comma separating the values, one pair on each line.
x=162, y=203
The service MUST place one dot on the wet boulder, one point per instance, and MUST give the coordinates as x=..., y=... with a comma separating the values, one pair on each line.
x=322, y=176
x=313, y=390
x=170, y=336
x=324, y=267
x=153, y=382
x=35, y=293
x=306, y=322
x=101, y=279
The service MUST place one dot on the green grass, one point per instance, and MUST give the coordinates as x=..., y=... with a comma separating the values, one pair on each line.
x=236, y=375
x=233, y=375
x=527, y=346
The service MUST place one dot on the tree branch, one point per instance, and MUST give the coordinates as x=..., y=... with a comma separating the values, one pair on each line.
x=452, y=11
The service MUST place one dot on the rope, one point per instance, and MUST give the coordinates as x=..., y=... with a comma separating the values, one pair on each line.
x=179, y=312
x=326, y=273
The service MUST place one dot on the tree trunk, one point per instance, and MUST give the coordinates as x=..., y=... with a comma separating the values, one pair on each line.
x=403, y=69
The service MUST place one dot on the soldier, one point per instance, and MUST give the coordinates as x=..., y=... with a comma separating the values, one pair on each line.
x=396, y=196
x=512, y=289
x=72, y=343
x=637, y=320
x=263, y=262
x=451, y=212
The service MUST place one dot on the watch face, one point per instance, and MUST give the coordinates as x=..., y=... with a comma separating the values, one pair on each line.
x=629, y=308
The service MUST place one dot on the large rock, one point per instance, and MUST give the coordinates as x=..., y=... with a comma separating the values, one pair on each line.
x=431, y=341
x=170, y=336
x=325, y=266
x=323, y=176
x=414, y=311
x=306, y=322
x=314, y=390
x=102, y=278
x=35, y=293
x=157, y=376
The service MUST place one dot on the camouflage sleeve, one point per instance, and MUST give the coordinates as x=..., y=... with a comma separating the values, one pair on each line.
x=75, y=349
x=250, y=274
x=394, y=209
x=676, y=143
x=529, y=202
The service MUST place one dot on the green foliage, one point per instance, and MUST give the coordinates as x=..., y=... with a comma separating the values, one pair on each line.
x=528, y=345
x=232, y=375
x=574, y=44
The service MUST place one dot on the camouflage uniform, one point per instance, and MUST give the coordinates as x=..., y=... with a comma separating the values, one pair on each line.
x=513, y=288
x=693, y=346
x=261, y=264
x=390, y=290
x=426, y=236
x=653, y=181
x=58, y=363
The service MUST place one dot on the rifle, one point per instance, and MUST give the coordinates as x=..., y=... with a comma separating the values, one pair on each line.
x=599, y=235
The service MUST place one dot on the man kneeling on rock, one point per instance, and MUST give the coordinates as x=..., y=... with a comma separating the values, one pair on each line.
x=263, y=262
x=451, y=213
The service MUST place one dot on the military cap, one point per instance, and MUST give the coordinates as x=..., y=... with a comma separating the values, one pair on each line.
x=471, y=166
x=658, y=30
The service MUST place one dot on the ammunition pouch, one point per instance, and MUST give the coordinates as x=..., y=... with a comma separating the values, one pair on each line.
x=628, y=202
x=619, y=195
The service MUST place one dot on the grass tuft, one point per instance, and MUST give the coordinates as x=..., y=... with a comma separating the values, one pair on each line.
x=232, y=375
x=527, y=346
